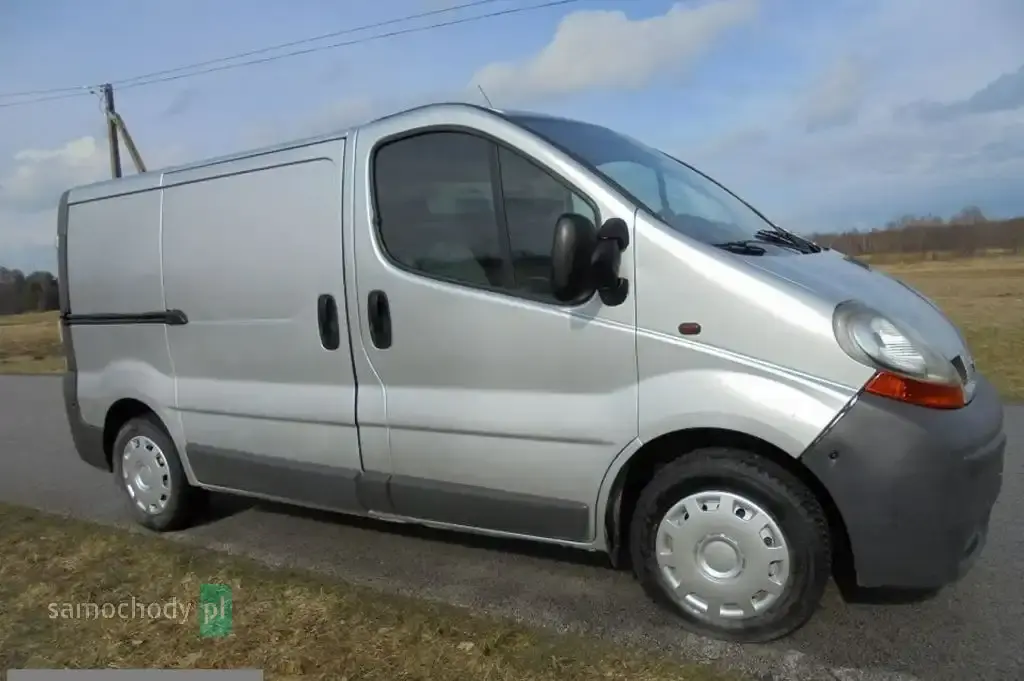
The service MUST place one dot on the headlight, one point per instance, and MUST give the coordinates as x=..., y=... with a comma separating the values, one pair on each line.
x=873, y=339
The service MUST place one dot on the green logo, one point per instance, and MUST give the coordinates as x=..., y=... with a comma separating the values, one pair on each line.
x=214, y=610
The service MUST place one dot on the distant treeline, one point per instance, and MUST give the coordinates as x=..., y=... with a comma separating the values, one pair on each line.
x=20, y=293
x=967, y=233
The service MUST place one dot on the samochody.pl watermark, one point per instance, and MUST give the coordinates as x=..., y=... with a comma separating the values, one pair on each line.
x=130, y=609
x=212, y=611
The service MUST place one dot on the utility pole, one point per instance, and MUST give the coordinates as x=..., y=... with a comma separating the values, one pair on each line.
x=117, y=129
x=108, y=110
x=133, y=151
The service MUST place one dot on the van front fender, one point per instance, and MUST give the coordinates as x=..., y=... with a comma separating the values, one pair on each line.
x=785, y=411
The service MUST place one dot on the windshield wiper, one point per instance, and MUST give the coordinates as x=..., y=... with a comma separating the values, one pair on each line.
x=748, y=247
x=778, y=236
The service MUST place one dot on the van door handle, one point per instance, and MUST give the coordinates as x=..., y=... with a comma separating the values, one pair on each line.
x=378, y=315
x=327, y=319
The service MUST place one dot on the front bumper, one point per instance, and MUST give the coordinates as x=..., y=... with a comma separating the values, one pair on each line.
x=915, y=486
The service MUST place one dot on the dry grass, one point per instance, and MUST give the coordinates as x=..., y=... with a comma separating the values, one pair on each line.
x=984, y=296
x=918, y=257
x=289, y=624
x=30, y=344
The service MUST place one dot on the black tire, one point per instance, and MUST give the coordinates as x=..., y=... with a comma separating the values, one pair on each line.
x=185, y=501
x=795, y=510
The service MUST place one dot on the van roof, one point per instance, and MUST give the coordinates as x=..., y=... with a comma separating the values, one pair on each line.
x=151, y=178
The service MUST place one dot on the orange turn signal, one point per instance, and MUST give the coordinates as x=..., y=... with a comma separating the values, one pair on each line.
x=921, y=393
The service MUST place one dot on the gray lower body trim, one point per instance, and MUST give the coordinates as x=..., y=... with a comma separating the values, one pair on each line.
x=88, y=440
x=306, y=483
x=490, y=509
x=353, y=491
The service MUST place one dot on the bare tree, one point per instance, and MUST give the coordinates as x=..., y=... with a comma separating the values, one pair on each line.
x=965, y=233
x=20, y=293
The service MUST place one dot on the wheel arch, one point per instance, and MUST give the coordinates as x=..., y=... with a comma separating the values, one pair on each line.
x=641, y=466
x=121, y=412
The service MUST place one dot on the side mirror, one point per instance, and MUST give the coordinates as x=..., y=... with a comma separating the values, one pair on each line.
x=612, y=240
x=571, y=255
x=584, y=258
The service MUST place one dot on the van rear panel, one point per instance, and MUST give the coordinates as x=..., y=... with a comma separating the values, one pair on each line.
x=114, y=301
x=199, y=293
x=114, y=255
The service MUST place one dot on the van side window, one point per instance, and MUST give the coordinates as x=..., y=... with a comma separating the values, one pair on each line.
x=435, y=204
x=435, y=198
x=642, y=181
x=533, y=202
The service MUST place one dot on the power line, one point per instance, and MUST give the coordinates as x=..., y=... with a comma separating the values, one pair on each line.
x=214, y=65
x=304, y=41
x=347, y=43
x=81, y=92
x=262, y=50
x=131, y=83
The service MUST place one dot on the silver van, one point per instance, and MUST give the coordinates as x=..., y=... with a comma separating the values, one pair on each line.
x=530, y=327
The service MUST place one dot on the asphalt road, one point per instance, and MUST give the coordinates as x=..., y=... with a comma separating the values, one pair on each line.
x=972, y=630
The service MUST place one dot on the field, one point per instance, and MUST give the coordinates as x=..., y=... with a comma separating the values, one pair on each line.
x=30, y=344
x=62, y=581
x=985, y=296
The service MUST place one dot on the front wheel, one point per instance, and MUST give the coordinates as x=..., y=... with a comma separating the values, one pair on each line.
x=733, y=543
x=149, y=473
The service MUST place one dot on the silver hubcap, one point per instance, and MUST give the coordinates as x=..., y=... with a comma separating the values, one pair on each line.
x=146, y=475
x=722, y=557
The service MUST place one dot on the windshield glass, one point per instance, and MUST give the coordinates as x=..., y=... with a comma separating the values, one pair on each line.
x=680, y=196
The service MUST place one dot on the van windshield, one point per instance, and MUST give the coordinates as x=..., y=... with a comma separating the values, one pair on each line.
x=678, y=195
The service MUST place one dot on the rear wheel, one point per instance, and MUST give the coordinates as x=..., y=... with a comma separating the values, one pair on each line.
x=733, y=543
x=149, y=473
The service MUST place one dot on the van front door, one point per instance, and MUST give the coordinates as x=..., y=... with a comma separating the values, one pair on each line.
x=504, y=407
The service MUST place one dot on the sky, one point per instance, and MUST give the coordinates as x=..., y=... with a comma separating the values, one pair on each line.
x=825, y=114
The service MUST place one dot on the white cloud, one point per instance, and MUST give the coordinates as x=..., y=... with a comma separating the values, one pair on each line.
x=348, y=112
x=29, y=191
x=26, y=230
x=1005, y=93
x=875, y=170
x=31, y=187
x=854, y=148
x=828, y=148
x=339, y=115
x=28, y=240
x=837, y=97
x=342, y=114
x=645, y=48
x=595, y=49
x=40, y=175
